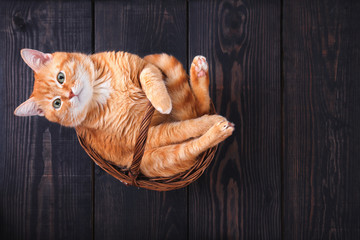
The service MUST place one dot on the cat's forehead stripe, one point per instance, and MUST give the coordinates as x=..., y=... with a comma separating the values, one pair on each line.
x=71, y=67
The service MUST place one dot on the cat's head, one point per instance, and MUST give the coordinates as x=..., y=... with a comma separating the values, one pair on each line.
x=63, y=86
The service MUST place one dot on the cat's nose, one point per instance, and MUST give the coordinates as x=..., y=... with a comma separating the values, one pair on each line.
x=71, y=95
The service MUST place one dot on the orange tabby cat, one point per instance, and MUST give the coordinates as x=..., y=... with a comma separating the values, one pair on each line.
x=104, y=96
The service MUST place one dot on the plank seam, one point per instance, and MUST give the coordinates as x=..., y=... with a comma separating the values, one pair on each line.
x=187, y=70
x=92, y=163
x=282, y=147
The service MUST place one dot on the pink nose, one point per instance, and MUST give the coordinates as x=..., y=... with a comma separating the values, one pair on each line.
x=71, y=95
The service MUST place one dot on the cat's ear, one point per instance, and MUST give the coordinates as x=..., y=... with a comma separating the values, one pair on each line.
x=35, y=59
x=28, y=108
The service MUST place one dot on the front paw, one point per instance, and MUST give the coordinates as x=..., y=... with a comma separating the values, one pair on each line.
x=222, y=130
x=162, y=104
x=200, y=65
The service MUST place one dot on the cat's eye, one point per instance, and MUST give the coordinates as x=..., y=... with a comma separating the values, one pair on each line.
x=61, y=77
x=57, y=103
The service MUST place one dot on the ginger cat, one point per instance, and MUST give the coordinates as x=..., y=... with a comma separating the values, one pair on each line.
x=104, y=96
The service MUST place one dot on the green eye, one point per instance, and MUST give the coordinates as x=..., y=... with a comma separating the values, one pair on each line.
x=61, y=77
x=57, y=103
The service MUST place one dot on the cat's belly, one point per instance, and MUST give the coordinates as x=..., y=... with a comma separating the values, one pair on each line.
x=116, y=149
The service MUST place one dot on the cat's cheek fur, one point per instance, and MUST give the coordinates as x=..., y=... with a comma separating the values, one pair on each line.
x=80, y=117
x=74, y=116
x=51, y=117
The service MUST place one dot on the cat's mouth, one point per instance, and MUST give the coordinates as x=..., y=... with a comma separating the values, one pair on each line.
x=81, y=97
x=79, y=93
x=75, y=96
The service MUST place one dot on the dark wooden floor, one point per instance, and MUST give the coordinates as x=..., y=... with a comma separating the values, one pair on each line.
x=286, y=72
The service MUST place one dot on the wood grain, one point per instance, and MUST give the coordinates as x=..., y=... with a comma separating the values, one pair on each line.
x=45, y=176
x=321, y=119
x=142, y=28
x=239, y=195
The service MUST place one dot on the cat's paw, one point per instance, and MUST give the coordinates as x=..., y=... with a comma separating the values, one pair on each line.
x=222, y=130
x=211, y=120
x=200, y=65
x=162, y=104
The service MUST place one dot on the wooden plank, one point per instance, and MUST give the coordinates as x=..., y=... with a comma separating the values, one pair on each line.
x=321, y=119
x=126, y=212
x=239, y=195
x=45, y=175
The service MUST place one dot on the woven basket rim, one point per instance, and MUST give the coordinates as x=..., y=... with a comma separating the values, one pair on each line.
x=132, y=176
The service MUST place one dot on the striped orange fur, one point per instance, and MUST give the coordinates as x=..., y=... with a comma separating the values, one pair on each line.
x=104, y=97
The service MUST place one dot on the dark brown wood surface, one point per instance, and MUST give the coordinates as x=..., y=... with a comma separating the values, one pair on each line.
x=239, y=196
x=45, y=190
x=142, y=28
x=321, y=119
x=286, y=72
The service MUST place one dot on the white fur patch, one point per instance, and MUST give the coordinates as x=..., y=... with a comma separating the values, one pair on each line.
x=167, y=111
x=102, y=92
x=82, y=89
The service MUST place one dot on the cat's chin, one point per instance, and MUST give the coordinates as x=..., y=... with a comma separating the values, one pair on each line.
x=74, y=120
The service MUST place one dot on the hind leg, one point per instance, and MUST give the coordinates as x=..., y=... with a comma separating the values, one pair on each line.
x=172, y=159
x=199, y=80
x=178, y=132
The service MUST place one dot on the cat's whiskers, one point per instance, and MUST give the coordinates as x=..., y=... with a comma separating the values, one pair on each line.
x=73, y=118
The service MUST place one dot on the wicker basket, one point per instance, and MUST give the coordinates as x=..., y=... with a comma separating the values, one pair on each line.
x=133, y=176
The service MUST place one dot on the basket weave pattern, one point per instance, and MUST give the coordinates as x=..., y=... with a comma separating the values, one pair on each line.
x=132, y=176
